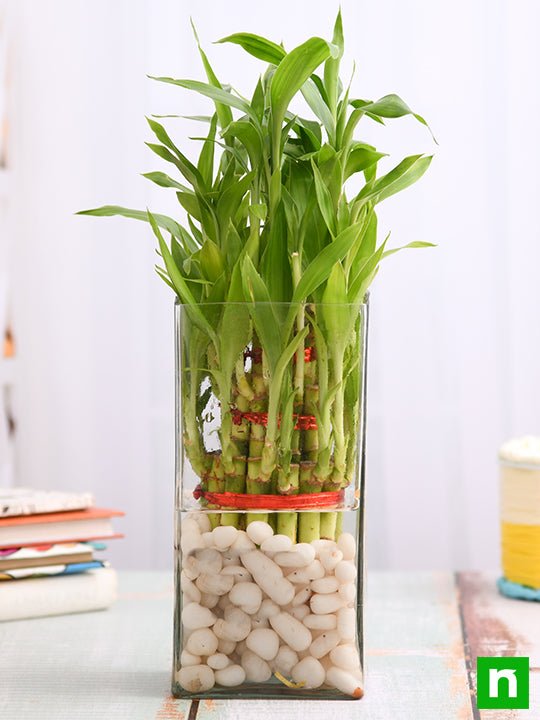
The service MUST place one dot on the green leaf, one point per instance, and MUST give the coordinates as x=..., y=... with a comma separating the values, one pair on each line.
x=324, y=199
x=163, y=180
x=402, y=176
x=320, y=268
x=223, y=111
x=235, y=326
x=247, y=134
x=359, y=286
x=206, y=159
x=186, y=167
x=361, y=157
x=229, y=201
x=331, y=66
x=262, y=311
x=214, y=93
x=211, y=261
x=392, y=106
x=163, y=221
x=414, y=244
x=180, y=285
x=258, y=46
x=292, y=72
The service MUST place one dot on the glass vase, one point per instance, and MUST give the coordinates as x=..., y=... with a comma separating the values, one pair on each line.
x=269, y=522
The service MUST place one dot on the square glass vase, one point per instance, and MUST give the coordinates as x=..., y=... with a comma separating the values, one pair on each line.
x=269, y=501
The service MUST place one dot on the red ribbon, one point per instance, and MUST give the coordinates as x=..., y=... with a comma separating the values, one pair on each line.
x=256, y=355
x=246, y=501
x=303, y=422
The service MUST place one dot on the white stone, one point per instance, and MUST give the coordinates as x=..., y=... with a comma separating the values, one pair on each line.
x=347, y=591
x=242, y=543
x=325, y=585
x=313, y=571
x=239, y=573
x=276, y=543
x=190, y=590
x=268, y=608
x=231, y=676
x=202, y=642
x=345, y=571
x=330, y=558
x=196, y=616
x=285, y=660
x=310, y=672
x=258, y=531
x=323, y=545
x=209, y=560
x=224, y=536
x=186, y=659
x=301, y=555
x=299, y=612
x=257, y=669
x=346, y=624
x=325, y=604
x=196, y=678
x=344, y=682
x=302, y=596
x=269, y=577
x=247, y=596
x=291, y=631
x=190, y=567
x=264, y=643
x=218, y=661
x=236, y=625
x=202, y=520
x=322, y=645
x=320, y=622
x=346, y=657
x=214, y=584
x=347, y=544
x=227, y=647
x=208, y=539
x=208, y=600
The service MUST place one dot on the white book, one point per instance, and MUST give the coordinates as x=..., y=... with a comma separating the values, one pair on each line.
x=61, y=595
x=25, y=501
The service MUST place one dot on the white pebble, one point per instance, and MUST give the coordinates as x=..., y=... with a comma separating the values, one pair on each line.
x=345, y=656
x=300, y=556
x=208, y=539
x=346, y=624
x=247, y=596
x=321, y=622
x=347, y=544
x=257, y=669
x=347, y=591
x=310, y=672
x=187, y=658
x=276, y=543
x=202, y=642
x=190, y=526
x=196, y=616
x=345, y=571
x=229, y=558
x=214, y=584
x=302, y=596
x=268, y=608
x=224, y=536
x=291, y=631
x=325, y=585
x=235, y=626
x=285, y=660
x=242, y=543
x=323, y=545
x=190, y=543
x=330, y=558
x=259, y=531
x=208, y=600
x=224, y=602
x=258, y=622
x=218, y=661
x=264, y=643
x=268, y=576
x=227, y=647
x=209, y=560
x=190, y=567
x=241, y=648
x=190, y=590
x=301, y=576
x=202, y=520
x=239, y=573
x=344, y=681
x=299, y=612
x=325, y=604
x=231, y=676
x=196, y=678
x=322, y=645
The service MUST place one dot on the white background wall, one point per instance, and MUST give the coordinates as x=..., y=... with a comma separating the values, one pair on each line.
x=455, y=336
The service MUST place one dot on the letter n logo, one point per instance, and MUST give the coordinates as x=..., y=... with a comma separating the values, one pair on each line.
x=502, y=682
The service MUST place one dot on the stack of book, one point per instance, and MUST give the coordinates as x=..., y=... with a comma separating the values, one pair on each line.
x=48, y=546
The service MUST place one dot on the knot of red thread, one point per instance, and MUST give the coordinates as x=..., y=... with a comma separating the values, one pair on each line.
x=246, y=501
x=303, y=422
x=310, y=354
x=198, y=492
x=256, y=354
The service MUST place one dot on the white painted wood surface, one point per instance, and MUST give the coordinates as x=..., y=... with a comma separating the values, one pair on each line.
x=116, y=664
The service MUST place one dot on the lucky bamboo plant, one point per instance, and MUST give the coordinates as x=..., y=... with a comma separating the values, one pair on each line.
x=271, y=267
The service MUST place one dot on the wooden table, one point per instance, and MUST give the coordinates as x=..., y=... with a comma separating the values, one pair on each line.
x=424, y=631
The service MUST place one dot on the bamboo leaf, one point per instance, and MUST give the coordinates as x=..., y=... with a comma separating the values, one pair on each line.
x=392, y=106
x=331, y=66
x=414, y=244
x=223, y=111
x=320, y=268
x=163, y=221
x=324, y=200
x=262, y=311
x=258, y=46
x=402, y=176
x=361, y=157
x=209, y=91
x=206, y=159
x=163, y=180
